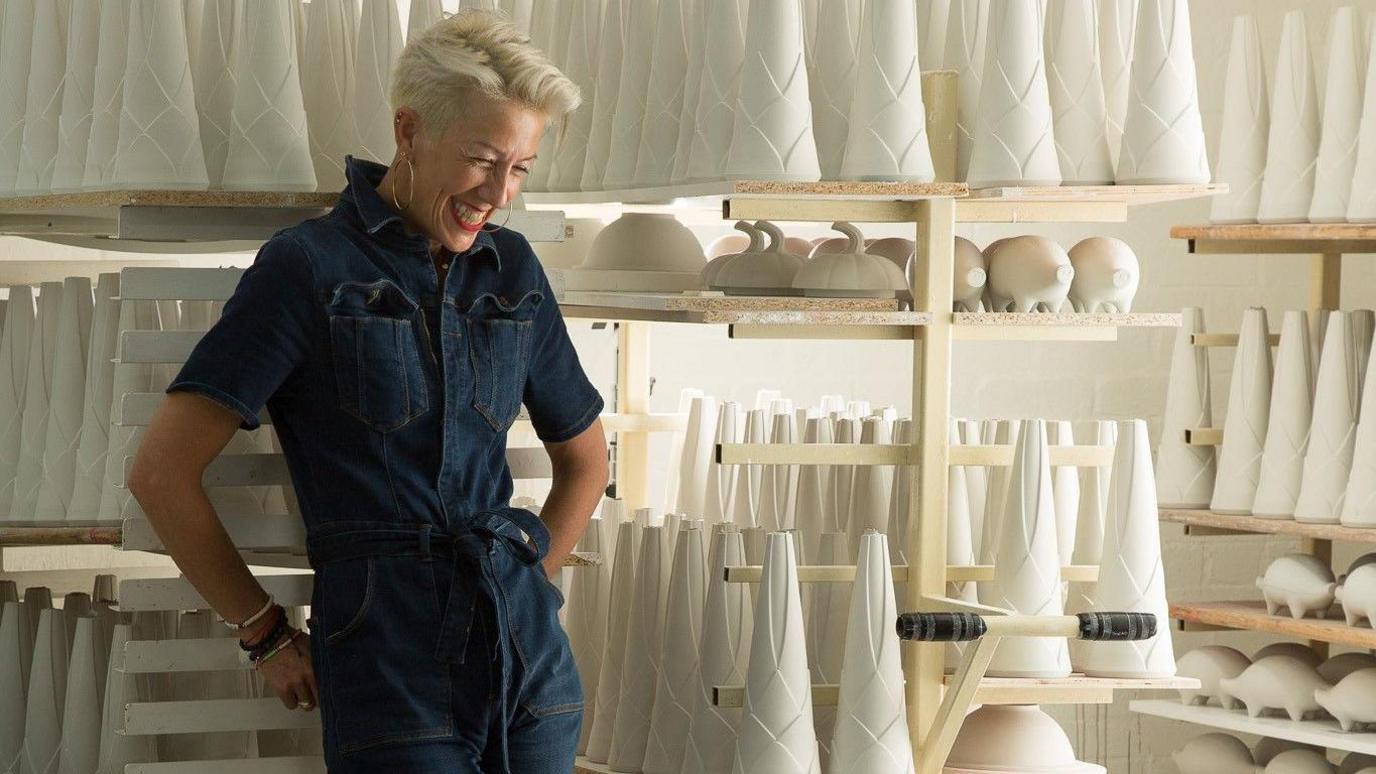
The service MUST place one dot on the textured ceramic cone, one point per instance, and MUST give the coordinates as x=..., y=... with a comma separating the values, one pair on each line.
x=78, y=92
x=47, y=692
x=678, y=662
x=644, y=640
x=215, y=71
x=827, y=607
x=1163, y=134
x=423, y=14
x=15, y=340
x=755, y=538
x=327, y=89
x=933, y=19
x=1132, y=577
x=723, y=60
x=832, y=81
x=638, y=56
x=745, y=508
x=1089, y=533
x=159, y=132
x=1287, y=428
x=654, y=163
x=887, y=132
x=588, y=598
x=541, y=32
x=1117, y=33
x=847, y=430
x=66, y=402
x=960, y=542
x=43, y=105
x=16, y=48
x=871, y=724
x=813, y=517
x=1333, y=430
x=1359, y=503
x=1027, y=568
x=1014, y=143
x=771, y=137
x=1363, y=333
x=1065, y=484
x=698, y=453
x=124, y=441
x=676, y=444
x=721, y=479
x=696, y=31
x=379, y=45
x=36, y=600
x=98, y=402
x=1344, y=87
x=779, y=483
x=1292, y=150
x=269, y=149
x=580, y=65
x=723, y=655
x=1246, y=126
x=1244, y=427
x=900, y=502
x=1077, y=93
x=611, y=44
x=776, y=731
x=1362, y=202
x=108, y=97
x=1005, y=433
x=873, y=486
x=623, y=587
x=81, y=706
x=121, y=689
x=1185, y=473
x=75, y=605
x=12, y=686
x=37, y=393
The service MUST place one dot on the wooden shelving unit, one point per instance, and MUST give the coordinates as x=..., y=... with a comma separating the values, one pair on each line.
x=1210, y=523
x=1324, y=733
x=1252, y=616
x=1076, y=689
x=1285, y=239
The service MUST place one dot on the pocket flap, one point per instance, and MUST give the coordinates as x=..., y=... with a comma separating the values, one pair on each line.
x=382, y=297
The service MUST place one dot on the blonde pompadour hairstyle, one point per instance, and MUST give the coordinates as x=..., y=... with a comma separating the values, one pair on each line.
x=477, y=51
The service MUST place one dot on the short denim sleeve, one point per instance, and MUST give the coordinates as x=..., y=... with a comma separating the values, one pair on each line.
x=263, y=334
x=560, y=399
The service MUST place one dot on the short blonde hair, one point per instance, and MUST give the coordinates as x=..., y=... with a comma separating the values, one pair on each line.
x=477, y=50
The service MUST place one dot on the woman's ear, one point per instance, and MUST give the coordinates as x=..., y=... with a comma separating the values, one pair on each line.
x=405, y=128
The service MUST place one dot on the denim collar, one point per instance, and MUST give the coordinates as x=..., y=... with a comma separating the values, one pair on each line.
x=373, y=213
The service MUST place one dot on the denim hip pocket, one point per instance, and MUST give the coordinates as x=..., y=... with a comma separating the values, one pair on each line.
x=499, y=344
x=547, y=675
x=377, y=364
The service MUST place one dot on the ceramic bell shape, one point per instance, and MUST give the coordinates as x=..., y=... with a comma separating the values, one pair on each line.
x=770, y=272
x=82, y=703
x=1361, y=207
x=78, y=92
x=668, y=74
x=623, y=586
x=1359, y=501
x=1333, y=429
x=107, y=98
x=825, y=609
x=12, y=685
x=873, y=485
x=720, y=492
x=66, y=402
x=644, y=640
x=586, y=622
x=37, y=398
x=1131, y=575
x=1287, y=429
x=696, y=32
x=776, y=731
x=832, y=80
x=1076, y=85
x=379, y=45
x=1185, y=473
x=1293, y=145
x=611, y=47
x=47, y=692
x=15, y=339
x=43, y=104
x=745, y=508
x=1246, y=126
x=215, y=70
x=1163, y=134
x=121, y=689
x=851, y=272
x=887, y=131
x=94, y=438
x=159, y=132
x=580, y=65
x=1089, y=534
x=678, y=669
x=779, y=483
x=1218, y=753
x=964, y=52
x=698, y=453
x=723, y=655
x=771, y=136
x=633, y=91
x=1244, y=427
x=1027, y=569
x=327, y=89
x=1117, y=35
x=1017, y=737
x=900, y=501
x=1014, y=141
x=1342, y=116
x=17, y=24
x=812, y=517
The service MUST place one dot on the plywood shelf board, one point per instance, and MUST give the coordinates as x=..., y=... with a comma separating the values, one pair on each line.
x=1075, y=689
x=1324, y=733
x=826, y=189
x=1209, y=521
x=1070, y=319
x=1252, y=616
x=1131, y=194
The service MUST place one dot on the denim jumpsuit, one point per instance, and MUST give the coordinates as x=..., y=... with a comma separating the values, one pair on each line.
x=435, y=636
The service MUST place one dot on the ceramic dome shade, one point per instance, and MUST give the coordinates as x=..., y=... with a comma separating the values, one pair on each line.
x=1014, y=738
x=622, y=245
x=768, y=272
x=850, y=274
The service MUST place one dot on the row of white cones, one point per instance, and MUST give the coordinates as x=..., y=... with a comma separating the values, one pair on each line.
x=62, y=451
x=1295, y=445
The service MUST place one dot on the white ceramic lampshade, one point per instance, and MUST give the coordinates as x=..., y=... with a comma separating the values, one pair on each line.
x=1333, y=429
x=873, y=485
x=379, y=45
x=1244, y=428
x=65, y=402
x=1002, y=432
x=614, y=648
x=586, y=623
x=327, y=88
x=82, y=702
x=1359, y=502
x=621, y=245
x=1292, y=149
x=654, y=164
x=1163, y=134
x=825, y=607
x=47, y=692
x=15, y=341
x=698, y=453
x=580, y=65
x=1246, y=126
x=745, y=508
x=13, y=644
x=720, y=492
x=696, y=32
x=779, y=483
x=1010, y=738
x=831, y=79
x=611, y=46
x=1361, y=206
x=678, y=669
x=1344, y=88
x=900, y=502
x=813, y=516
x=964, y=53
x=723, y=59
x=1185, y=473
x=43, y=105
x=639, y=55
x=933, y=19
x=215, y=70
x=1089, y=534
x=423, y=14
x=16, y=36
x=37, y=398
x=108, y=96
x=1117, y=33
x=78, y=95
x=1287, y=429
x=644, y=640
x=1077, y=93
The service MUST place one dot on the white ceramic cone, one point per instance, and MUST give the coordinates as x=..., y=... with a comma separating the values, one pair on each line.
x=832, y=80
x=47, y=691
x=1005, y=433
x=75, y=605
x=1014, y=141
x=1333, y=430
x=1244, y=428
x=121, y=689
x=78, y=91
x=721, y=479
x=623, y=587
x=159, y=132
x=423, y=14
x=771, y=138
x=678, y=662
x=16, y=36
x=12, y=686
x=1027, y=568
x=1287, y=429
x=1344, y=88
x=1077, y=93
x=611, y=44
x=1363, y=333
x=1293, y=144
x=43, y=105
x=586, y=622
x=933, y=19
x=887, y=131
x=871, y=724
x=677, y=441
x=698, y=453
x=327, y=89
x=124, y=441
x=37, y=392
x=873, y=486
x=723, y=60
x=900, y=503
x=541, y=32
x=964, y=53
x=654, y=164
x=1065, y=484
x=745, y=508
x=36, y=600
x=848, y=430
x=81, y=706
x=66, y=403
x=108, y=96
x=723, y=654
x=813, y=516
x=269, y=149
x=215, y=71
x=696, y=31
x=1184, y=473
x=1246, y=126
x=98, y=401
x=644, y=641
x=1089, y=533
x=779, y=483
x=776, y=731
x=976, y=482
x=638, y=56
x=1117, y=33
x=379, y=45
x=1163, y=134
x=580, y=65
x=1132, y=577
x=15, y=340
x=827, y=606
x=1359, y=502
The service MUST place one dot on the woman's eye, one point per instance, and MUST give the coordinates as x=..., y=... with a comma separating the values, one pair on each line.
x=522, y=170
x=482, y=162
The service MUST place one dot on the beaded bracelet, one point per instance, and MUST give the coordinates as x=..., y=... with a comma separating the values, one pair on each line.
x=279, y=630
x=281, y=646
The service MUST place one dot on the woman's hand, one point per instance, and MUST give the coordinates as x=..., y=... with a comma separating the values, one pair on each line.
x=291, y=676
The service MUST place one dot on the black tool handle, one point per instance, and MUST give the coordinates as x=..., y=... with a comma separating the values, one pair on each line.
x=1117, y=627
x=940, y=627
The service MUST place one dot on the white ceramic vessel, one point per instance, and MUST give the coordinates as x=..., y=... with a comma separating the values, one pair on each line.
x=13, y=642
x=1294, y=650
x=46, y=694
x=623, y=585
x=107, y=99
x=1344, y=88
x=900, y=501
x=1301, y=583
x=644, y=640
x=121, y=688
x=65, y=402
x=1106, y=276
x=1333, y=430
x=37, y=399
x=999, y=432
x=698, y=452
x=80, y=749
x=1214, y=754
x=1185, y=473
x=214, y=69
x=15, y=341
x=1287, y=433
x=826, y=607
x=621, y=245
x=1268, y=748
x=1089, y=534
x=541, y=32
x=1335, y=668
x=423, y=14
x=1028, y=274
x=851, y=272
x=720, y=491
x=933, y=19
x=580, y=65
x=1163, y=134
x=327, y=89
x=1013, y=738
x=379, y=45
x=1208, y=664
x=1275, y=682
x=1300, y=762
x=654, y=164
x=1358, y=596
x=769, y=272
x=1244, y=427
x=611, y=44
x=1117, y=34
x=811, y=514
x=95, y=424
x=872, y=485
x=638, y=57
x=1246, y=125
x=586, y=622
x=1065, y=486
x=1358, y=763
x=43, y=104
x=15, y=55
x=1361, y=206
x=964, y=53
x=723, y=58
x=78, y=91
x=678, y=672
x=696, y=32
x=1079, y=117
x=1293, y=145
x=832, y=78
x=779, y=483
x=971, y=276
x=745, y=509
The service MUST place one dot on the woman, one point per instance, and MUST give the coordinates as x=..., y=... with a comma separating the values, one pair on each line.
x=393, y=342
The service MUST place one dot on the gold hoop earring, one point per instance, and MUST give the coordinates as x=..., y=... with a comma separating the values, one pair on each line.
x=410, y=188
x=500, y=226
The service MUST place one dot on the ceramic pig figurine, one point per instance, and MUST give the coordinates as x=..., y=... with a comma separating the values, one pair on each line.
x=1351, y=701
x=1215, y=754
x=1208, y=665
x=1299, y=762
x=1294, y=650
x=1106, y=276
x=1358, y=595
x=1300, y=583
x=971, y=276
x=1269, y=747
x=1277, y=682
x=1336, y=668
x=1028, y=274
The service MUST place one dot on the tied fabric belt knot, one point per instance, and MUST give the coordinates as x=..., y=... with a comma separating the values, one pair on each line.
x=471, y=546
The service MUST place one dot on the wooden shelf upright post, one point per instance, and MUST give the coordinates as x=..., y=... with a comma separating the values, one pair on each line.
x=633, y=398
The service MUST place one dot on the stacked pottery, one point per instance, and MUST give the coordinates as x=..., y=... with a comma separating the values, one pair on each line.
x=668, y=72
x=698, y=453
x=1163, y=134
x=1293, y=145
x=1185, y=473
x=1246, y=123
x=721, y=479
x=82, y=703
x=1287, y=429
x=1244, y=428
x=1013, y=738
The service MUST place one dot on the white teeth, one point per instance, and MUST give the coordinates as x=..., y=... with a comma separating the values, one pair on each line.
x=467, y=215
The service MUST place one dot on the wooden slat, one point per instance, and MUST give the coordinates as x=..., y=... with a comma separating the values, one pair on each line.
x=1013, y=211
x=1204, y=436
x=1076, y=689
x=258, y=533
x=1323, y=733
x=794, y=332
x=1133, y=195
x=301, y=764
x=813, y=454
x=214, y=715
x=1293, y=239
x=955, y=573
x=157, y=346
x=1252, y=616
x=290, y=590
x=1206, y=523
x=59, y=536
x=177, y=283
x=969, y=455
x=201, y=655
x=1225, y=339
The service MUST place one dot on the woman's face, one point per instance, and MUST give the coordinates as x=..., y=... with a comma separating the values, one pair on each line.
x=468, y=172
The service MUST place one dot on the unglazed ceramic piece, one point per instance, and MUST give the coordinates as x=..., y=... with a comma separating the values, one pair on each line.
x=15, y=56
x=964, y=52
x=1300, y=583
x=1244, y=427
x=1076, y=85
x=1208, y=664
x=1065, y=484
x=745, y=509
x=107, y=98
x=831, y=80
x=423, y=14
x=328, y=83
x=825, y=607
x=586, y=622
x=1185, y=473
x=1028, y=274
x=1333, y=430
x=697, y=456
x=46, y=694
x=872, y=485
x=696, y=32
x=65, y=402
x=1359, y=501
x=933, y=17
x=621, y=245
x=38, y=151
x=1358, y=763
x=1300, y=762
x=779, y=483
x=1361, y=206
x=850, y=273
x=1358, y=595
x=15, y=339
x=543, y=21
x=678, y=664
x=379, y=45
x=664, y=98
x=1342, y=117
x=644, y=643
x=1000, y=432
x=1268, y=748
x=623, y=587
x=1246, y=124
x=99, y=397
x=1214, y=754
x=78, y=92
x=1106, y=276
x=812, y=515
x=1287, y=429
x=723, y=58
x=1294, y=650
x=214, y=69
x=1089, y=535
x=1293, y=147
x=1335, y=668
x=1013, y=738
x=580, y=65
x=82, y=703
x=13, y=639
x=1163, y=134
x=769, y=272
x=720, y=492
x=900, y=502
x=637, y=60
x=971, y=276
x=37, y=399
x=1275, y=682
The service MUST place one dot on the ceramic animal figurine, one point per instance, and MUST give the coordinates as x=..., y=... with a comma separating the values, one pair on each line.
x=1336, y=668
x=1214, y=754
x=1209, y=664
x=1299, y=582
x=1358, y=595
x=1268, y=748
x=971, y=276
x=1028, y=274
x=1292, y=649
x=1106, y=276
x=1300, y=762
x=1276, y=682
x=1351, y=701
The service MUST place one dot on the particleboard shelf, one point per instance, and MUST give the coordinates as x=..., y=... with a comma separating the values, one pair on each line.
x=1209, y=523
x=819, y=190
x=1252, y=616
x=1068, y=326
x=1324, y=733
x=1133, y=195
x=1076, y=689
x=1280, y=239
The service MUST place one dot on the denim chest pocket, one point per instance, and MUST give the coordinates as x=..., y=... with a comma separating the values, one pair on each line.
x=377, y=364
x=499, y=343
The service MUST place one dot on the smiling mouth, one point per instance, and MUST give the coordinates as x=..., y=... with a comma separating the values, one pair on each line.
x=468, y=218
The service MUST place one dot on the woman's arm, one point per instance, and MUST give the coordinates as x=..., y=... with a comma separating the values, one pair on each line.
x=580, y=480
